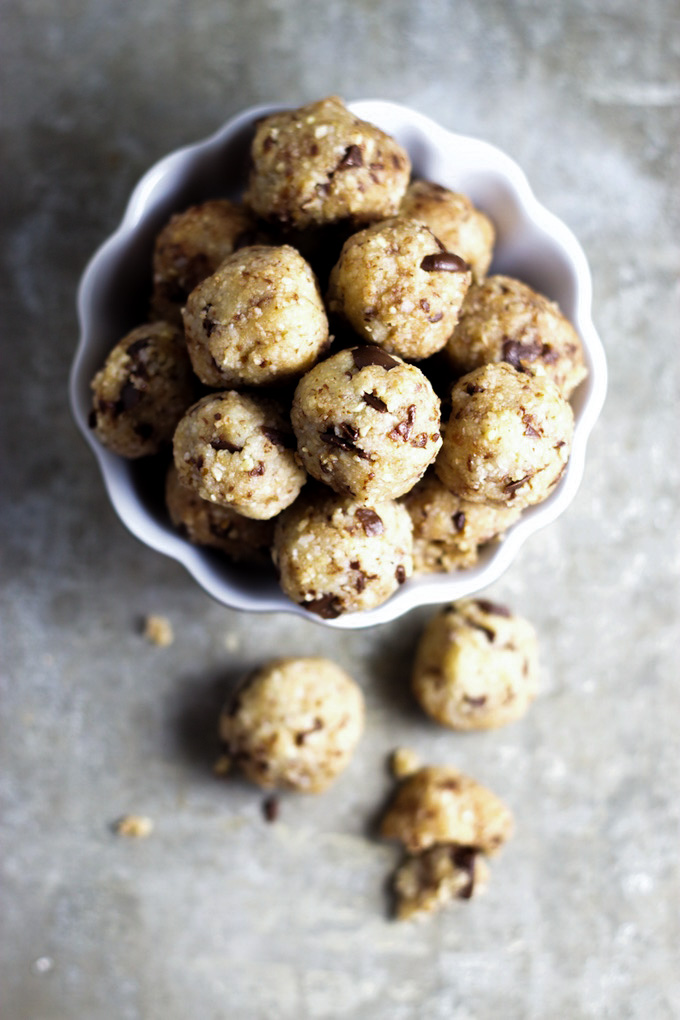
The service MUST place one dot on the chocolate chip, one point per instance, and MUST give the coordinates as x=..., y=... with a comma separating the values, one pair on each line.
x=343, y=436
x=444, y=261
x=364, y=356
x=437, y=317
x=400, y=574
x=224, y=444
x=471, y=389
x=420, y=441
x=515, y=353
x=209, y=325
x=270, y=809
x=370, y=521
x=458, y=520
x=326, y=606
x=475, y=702
x=493, y=607
x=353, y=157
x=425, y=305
x=279, y=437
x=464, y=859
x=375, y=402
x=303, y=734
x=130, y=396
x=491, y=634
x=404, y=429
x=138, y=346
x=529, y=424
x=257, y=470
x=512, y=486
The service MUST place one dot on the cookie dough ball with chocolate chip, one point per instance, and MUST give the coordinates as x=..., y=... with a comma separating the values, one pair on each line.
x=503, y=319
x=399, y=288
x=454, y=220
x=259, y=319
x=191, y=246
x=448, y=531
x=209, y=524
x=237, y=451
x=508, y=438
x=367, y=423
x=142, y=391
x=438, y=804
x=476, y=666
x=294, y=724
x=337, y=556
x=320, y=164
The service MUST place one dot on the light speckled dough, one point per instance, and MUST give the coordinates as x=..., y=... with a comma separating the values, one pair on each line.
x=438, y=804
x=294, y=724
x=259, y=319
x=321, y=164
x=209, y=524
x=508, y=438
x=503, y=319
x=336, y=556
x=191, y=246
x=235, y=450
x=430, y=880
x=448, y=531
x=142, y=391
x=454, y=220
x=367, y=423
x=476, y=666
x=399, y=288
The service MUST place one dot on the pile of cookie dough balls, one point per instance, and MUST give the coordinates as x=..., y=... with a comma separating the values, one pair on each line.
x=292, y=338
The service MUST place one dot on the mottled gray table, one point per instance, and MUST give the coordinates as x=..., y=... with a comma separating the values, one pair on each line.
x=218, y=914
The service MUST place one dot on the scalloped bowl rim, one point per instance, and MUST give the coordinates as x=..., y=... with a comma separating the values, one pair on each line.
x=424, y=589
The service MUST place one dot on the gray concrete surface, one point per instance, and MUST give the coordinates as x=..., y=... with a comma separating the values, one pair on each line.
x=219, y=914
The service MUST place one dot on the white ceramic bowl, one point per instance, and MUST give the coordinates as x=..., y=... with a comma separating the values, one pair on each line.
x=532, y=244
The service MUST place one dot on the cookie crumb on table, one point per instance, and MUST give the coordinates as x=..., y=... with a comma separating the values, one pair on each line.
x=158, y=631
x=133, y=826
x=404, y=762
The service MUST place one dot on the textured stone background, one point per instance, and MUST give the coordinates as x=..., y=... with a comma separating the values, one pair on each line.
x=217, y=914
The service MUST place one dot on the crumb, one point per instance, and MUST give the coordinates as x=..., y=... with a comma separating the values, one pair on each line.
x=270, y=809
x=232, y=641
x=158, y=631
x=133, y=826
x=404, y=762
x=222, y=766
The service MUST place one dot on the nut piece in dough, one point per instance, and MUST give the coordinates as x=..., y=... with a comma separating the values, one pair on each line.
x=367, y=423
x=258, y=320
x=439, y=804
x=447, y=530
x=237, y=450
x=503, y=319
x=294, y=724
x=476, y=666
x=191, y=246
x=425, y=882
x=399, y=288
x=204, y=523
x=454, y=220
x=337, y=556
x=142, y=391
x=320, y=164
x=508, y=438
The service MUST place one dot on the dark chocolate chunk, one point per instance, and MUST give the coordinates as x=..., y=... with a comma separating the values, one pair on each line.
x=475, y=702
x=529, y=426
x=512, y=486
x=375, y=402
x=363, y=356
x=224, y=444
x=303, y=734
x=270, y=809
x=370, y=521
x=400, y=574
x=257, y=470
x=493, y=607
x=137, y=346
x=491, y=634
x=130, y=396
x=471, y=389
x=343, y=436
x=464, y=859
x=515, y=353
x=209, y=325
x=404, y=429
x=444, y=261
x=326, y=606
x=279, y=437
x=458, y=520
x=353, y=157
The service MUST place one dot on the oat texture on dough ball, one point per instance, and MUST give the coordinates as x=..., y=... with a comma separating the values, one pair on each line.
x=448, y=532
x=399, y=288
x=294, y=724
x=503, y=319
x=452, y=218
x=337, y=556
x=367, y=423
x=438, y=804
x=508, y=438
x=191, y=246
x=142, y=391
x=476, y=666
x=428, y=881
x=204, y=523
x=238, y=451
x=258, y=320
x=320, y=164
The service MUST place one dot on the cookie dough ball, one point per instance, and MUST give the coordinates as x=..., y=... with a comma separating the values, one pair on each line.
x=336, y=556
x=209, y=524
x=367, y=423
x=454, y=220
x=438, y=804
x=294, y=723
x=505, y=320
x=238, y=451
x=508, y=438
x=430, y=880
x=258, y=320
x=448, y=531
x=191, y=246
x=321, y=164
x=476, y=667
x=142, y=391
x=399, y=288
